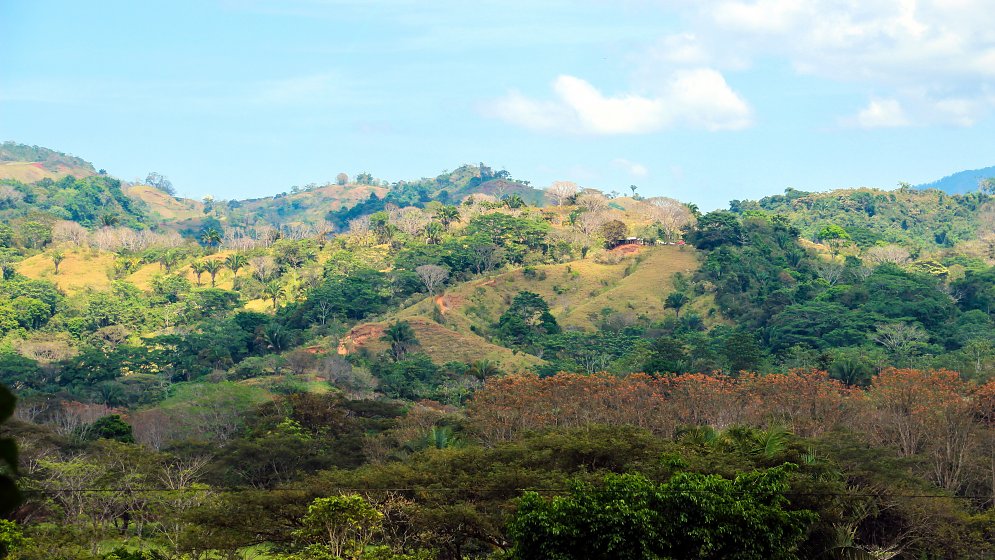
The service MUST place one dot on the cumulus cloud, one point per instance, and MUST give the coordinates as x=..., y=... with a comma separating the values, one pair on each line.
x=633, y=168
x=934, y=58
x=698, y=98
x=764, y=16
x=881, y=113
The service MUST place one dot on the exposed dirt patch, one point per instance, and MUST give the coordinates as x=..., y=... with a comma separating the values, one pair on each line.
x=446, y=302
x=628, y=249
x=358, y=337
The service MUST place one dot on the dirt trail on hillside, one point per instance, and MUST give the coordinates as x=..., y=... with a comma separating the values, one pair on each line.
x=358, y=336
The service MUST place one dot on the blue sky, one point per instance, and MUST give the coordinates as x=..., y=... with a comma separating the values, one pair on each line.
x=705, y=101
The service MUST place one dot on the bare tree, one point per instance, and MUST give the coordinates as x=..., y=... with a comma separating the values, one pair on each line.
x=561, y=193
x=238, y=239
x=70, y=233
x=296, y=231
x=151, y=428
x=672, y=215
x=433, y=276
x=263, y=268
x=160, y=182
x=830, y=271
x=360, y=228
x=894, y=254
x=181, y=478
x=74, y=417
x=901, y=339
x=590, y=222
x=593, y=201
x=409, y=220
x=266, y=235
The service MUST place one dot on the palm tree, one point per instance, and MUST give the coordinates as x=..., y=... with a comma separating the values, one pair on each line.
x=198, y=269
x=274, y=291
x=57, y=258
x=433, y=232
x=514, y=201
x=482, y=369
x=401, y=337
x=676, y=301
x=447, y=215
x=212, y=267
x=211, y=238
x=168, y=260
x=236, y=262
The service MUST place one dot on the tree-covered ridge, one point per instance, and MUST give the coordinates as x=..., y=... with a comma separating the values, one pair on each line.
x=447, y=188
x=919, y=220
x=51, y=159
x=91, y=202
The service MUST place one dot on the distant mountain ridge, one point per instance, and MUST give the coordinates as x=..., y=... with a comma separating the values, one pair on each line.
x=960, y=182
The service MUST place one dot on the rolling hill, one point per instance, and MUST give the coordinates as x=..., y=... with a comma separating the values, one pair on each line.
x=453, y=326
x=28, y=164
x=961, y=182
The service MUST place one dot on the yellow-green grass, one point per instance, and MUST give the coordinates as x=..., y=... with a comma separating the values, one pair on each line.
x=142, y=278
x=166, y=206
x=575, y=291
x=28, y=172
x=259, y=305
x=641, y=293
x=440, y=343
x=80, y=269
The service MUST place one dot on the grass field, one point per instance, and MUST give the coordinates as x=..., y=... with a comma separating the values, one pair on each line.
x=28, y=172
x=144, y=275
x=575, y=291
x=81, y=269
x=165, y=206
x=440, y=343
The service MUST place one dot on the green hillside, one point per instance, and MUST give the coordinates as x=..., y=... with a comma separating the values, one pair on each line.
x=923, y=220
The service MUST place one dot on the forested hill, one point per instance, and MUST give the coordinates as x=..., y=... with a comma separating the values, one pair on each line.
x=921, y=220
x=962, y=182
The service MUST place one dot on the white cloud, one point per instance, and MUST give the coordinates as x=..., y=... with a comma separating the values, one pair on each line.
x=760, y=16
x=703, y=99
x=631, y=167
x=626, y=114
x=680, y=48
x=935, y=58
x=881, y=113
x=698, y=98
